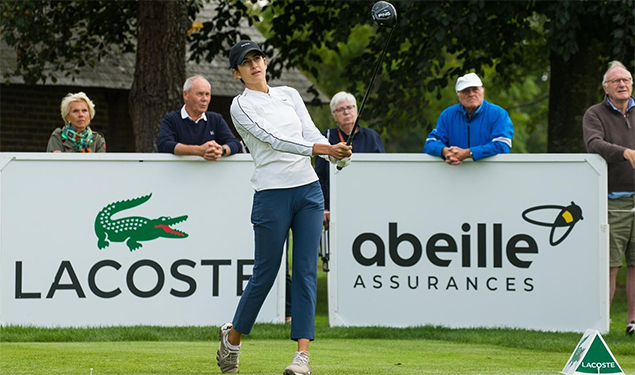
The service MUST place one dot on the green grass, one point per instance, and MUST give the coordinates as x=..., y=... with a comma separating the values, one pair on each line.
x=337, y=350
x=329, y=356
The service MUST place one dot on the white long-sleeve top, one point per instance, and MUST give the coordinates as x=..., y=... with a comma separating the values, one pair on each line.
x=279, y=132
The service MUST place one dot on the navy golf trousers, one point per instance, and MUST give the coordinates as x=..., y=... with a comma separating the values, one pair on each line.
x=274, y=212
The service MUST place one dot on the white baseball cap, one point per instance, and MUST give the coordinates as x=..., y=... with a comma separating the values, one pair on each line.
x=468, y=80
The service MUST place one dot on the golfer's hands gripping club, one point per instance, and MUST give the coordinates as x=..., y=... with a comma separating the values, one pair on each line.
x=341, y=164
x=342, y=155
x=341, y=151
x=335, y=153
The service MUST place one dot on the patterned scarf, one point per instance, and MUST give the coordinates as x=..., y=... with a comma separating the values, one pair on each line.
x=82, y=140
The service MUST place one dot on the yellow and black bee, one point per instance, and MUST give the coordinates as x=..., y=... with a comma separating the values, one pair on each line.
x=567, y=217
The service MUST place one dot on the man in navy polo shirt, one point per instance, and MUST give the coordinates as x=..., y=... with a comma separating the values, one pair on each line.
x=195, y=131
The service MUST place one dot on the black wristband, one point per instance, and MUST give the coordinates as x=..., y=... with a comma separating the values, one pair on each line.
x=224, y=151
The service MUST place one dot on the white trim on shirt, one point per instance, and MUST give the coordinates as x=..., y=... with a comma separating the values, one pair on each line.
x=279, y=132
x=185, y=115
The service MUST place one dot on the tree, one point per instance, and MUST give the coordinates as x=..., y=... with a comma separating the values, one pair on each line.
x=161, y=49
x=571, y=40
x=583, y=37
x=434, y=42
x=53, y=37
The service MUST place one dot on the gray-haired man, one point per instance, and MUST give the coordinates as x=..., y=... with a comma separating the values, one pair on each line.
x=608, y=129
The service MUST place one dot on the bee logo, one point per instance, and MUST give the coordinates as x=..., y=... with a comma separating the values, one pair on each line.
x=567, y=217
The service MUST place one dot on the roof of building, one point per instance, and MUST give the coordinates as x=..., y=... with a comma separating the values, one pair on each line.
x=116, y=71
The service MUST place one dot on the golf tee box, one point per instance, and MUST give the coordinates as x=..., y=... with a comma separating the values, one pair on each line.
x=592, y=356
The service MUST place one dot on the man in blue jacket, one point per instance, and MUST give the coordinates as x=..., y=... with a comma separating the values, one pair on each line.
x=474, y=128
x=195, y=131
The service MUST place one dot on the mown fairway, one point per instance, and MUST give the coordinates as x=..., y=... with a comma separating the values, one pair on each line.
x=330, y=356
x=338, y=350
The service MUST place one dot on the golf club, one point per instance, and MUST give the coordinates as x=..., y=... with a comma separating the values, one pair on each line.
x=384, y=15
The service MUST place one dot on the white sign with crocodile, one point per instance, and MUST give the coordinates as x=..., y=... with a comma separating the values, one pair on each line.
x=126, y=239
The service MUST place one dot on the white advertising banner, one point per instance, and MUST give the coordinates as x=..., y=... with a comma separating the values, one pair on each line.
x=510, y=241
x=126, y=239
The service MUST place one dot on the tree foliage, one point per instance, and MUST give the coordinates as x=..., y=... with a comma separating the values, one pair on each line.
x=60, y=37
x=509, y=43
x=573, y=40
x=53, y=37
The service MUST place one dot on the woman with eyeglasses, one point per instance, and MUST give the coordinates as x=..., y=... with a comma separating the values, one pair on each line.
x=344, y=112
x=281, y=137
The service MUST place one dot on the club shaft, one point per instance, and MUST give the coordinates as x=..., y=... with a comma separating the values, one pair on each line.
x=370, y=86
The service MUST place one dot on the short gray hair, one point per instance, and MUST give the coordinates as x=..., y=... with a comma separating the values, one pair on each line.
x=340, y=97
x=612, y=65
x=187, y=86
x=65, y=107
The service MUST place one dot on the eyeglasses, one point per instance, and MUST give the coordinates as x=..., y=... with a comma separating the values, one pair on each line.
x=618, y=80
x=349, y=108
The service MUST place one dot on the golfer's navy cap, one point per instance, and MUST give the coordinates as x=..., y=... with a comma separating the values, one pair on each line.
x=238, y=52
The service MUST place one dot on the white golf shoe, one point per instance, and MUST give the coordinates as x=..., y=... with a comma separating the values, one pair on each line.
x=226, y=358
x=299, y=365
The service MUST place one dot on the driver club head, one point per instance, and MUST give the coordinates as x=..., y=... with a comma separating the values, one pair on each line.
x=384, y=14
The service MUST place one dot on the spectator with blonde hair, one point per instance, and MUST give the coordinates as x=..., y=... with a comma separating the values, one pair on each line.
x=76, y=136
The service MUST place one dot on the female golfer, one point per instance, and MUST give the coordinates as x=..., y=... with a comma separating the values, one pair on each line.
x=281, y=137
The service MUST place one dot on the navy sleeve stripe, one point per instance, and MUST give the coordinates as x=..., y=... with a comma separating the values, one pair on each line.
x=261, y=128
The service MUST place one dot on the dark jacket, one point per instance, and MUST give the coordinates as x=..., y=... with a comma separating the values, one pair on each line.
x=608, y=132
x=365, y=141
x=175, y=129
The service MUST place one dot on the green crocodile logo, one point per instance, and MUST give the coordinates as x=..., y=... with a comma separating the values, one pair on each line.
x=577, y=352
x=134, y=228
